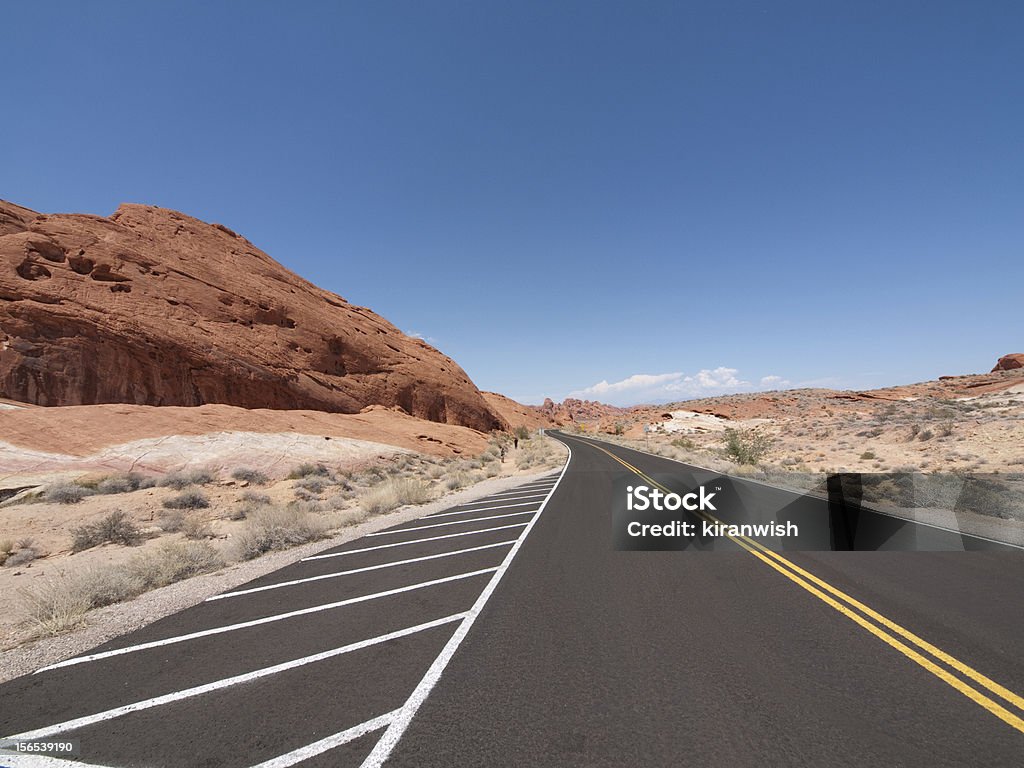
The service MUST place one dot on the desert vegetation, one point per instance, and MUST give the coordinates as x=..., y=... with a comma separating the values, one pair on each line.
x=194, y=521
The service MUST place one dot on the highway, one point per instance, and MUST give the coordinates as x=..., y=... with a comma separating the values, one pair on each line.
x=512, y=632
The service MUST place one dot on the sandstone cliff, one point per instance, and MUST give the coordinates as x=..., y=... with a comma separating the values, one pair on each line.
x=153, y=307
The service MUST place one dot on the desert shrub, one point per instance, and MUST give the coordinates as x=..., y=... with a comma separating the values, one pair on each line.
x=946, y=428
x=306, y=470
x=271, y=528
x=435, y=472
x=21, y=557
x=171, y=521
x=397, y=492
x=59, y=603
x=124, y=483
x=187, y=500
x=312, y=483
x=183, y=479
x=522, y=433
x=746, y=446
x=173, y=561
x=685, y=443
x=247, y=475
x=867, y=455
x=492, y=470
x=251, y=497
x=66, y=493
x=114, y=528
x=52, y=606
x=456, y=480
x=196, y=528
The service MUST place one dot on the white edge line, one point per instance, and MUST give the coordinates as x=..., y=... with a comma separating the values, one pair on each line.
x=336, y=740
x=110, y=714
x=257, y=622
x=397, y=728
x=546, y=486
x=336, y=574
x=475, y=509
x=491, y=502
x=414, y=541
x=453, y=522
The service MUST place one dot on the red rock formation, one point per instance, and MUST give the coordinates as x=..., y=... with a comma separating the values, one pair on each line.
x=153, y=307
x=1009, y=362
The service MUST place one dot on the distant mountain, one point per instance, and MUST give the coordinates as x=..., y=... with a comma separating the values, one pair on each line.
x=153, y=307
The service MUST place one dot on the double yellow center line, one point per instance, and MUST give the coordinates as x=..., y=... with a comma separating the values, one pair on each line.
x=885, y=629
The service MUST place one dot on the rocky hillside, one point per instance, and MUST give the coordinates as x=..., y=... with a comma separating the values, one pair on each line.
x=153, y=307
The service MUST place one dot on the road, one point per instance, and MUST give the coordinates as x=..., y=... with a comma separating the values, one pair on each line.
x=511, y=632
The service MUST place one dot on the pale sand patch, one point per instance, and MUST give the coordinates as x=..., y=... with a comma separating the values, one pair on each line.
x=274, y=454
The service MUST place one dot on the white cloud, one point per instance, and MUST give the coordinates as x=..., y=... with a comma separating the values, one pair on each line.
x=774, y=382
x=668, y=387
x=421, y=337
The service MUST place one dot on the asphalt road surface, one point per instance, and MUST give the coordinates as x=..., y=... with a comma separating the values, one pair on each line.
x=512, y=632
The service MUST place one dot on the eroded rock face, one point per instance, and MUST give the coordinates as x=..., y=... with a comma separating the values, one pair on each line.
x=153, y=307
x=1009, y=362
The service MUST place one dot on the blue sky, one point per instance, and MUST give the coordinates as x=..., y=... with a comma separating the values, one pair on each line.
x=624, y=201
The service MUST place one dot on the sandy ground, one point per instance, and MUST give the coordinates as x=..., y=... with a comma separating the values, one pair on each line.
x=54, y=437
x=982, y=431
x=105, y=623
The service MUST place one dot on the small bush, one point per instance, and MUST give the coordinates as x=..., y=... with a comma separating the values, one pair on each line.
x=521, y=433
x=6, y=546
x=181, y=480
x=187, y=500
x=925, y=435
x=21, y=557
x=312, y=483
x=867, y=455
x=115, y=528
x=397, y=492
x=59, y=603
x=272, y=528
x=66, y=493
x=306, y=470
x=685, y=443
x=252, y=476
x=251, y=497
x=124, y=483
x=174, y=561
x=746, y=446
x=172, y=522
x=456, y=480
x=196, y=529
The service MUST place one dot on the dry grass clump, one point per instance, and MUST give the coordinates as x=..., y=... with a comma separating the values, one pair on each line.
x=66, y=493
x=252, y=476
x=124, y=483
x=307, y=470
x=270, y=528
x=457, y=479
x=196, y=528
x=396, y=492
x=12, y=555
x=60, y=603
x=535, y=452
x=192, y=499
x=183, y=479
x=114, y=528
